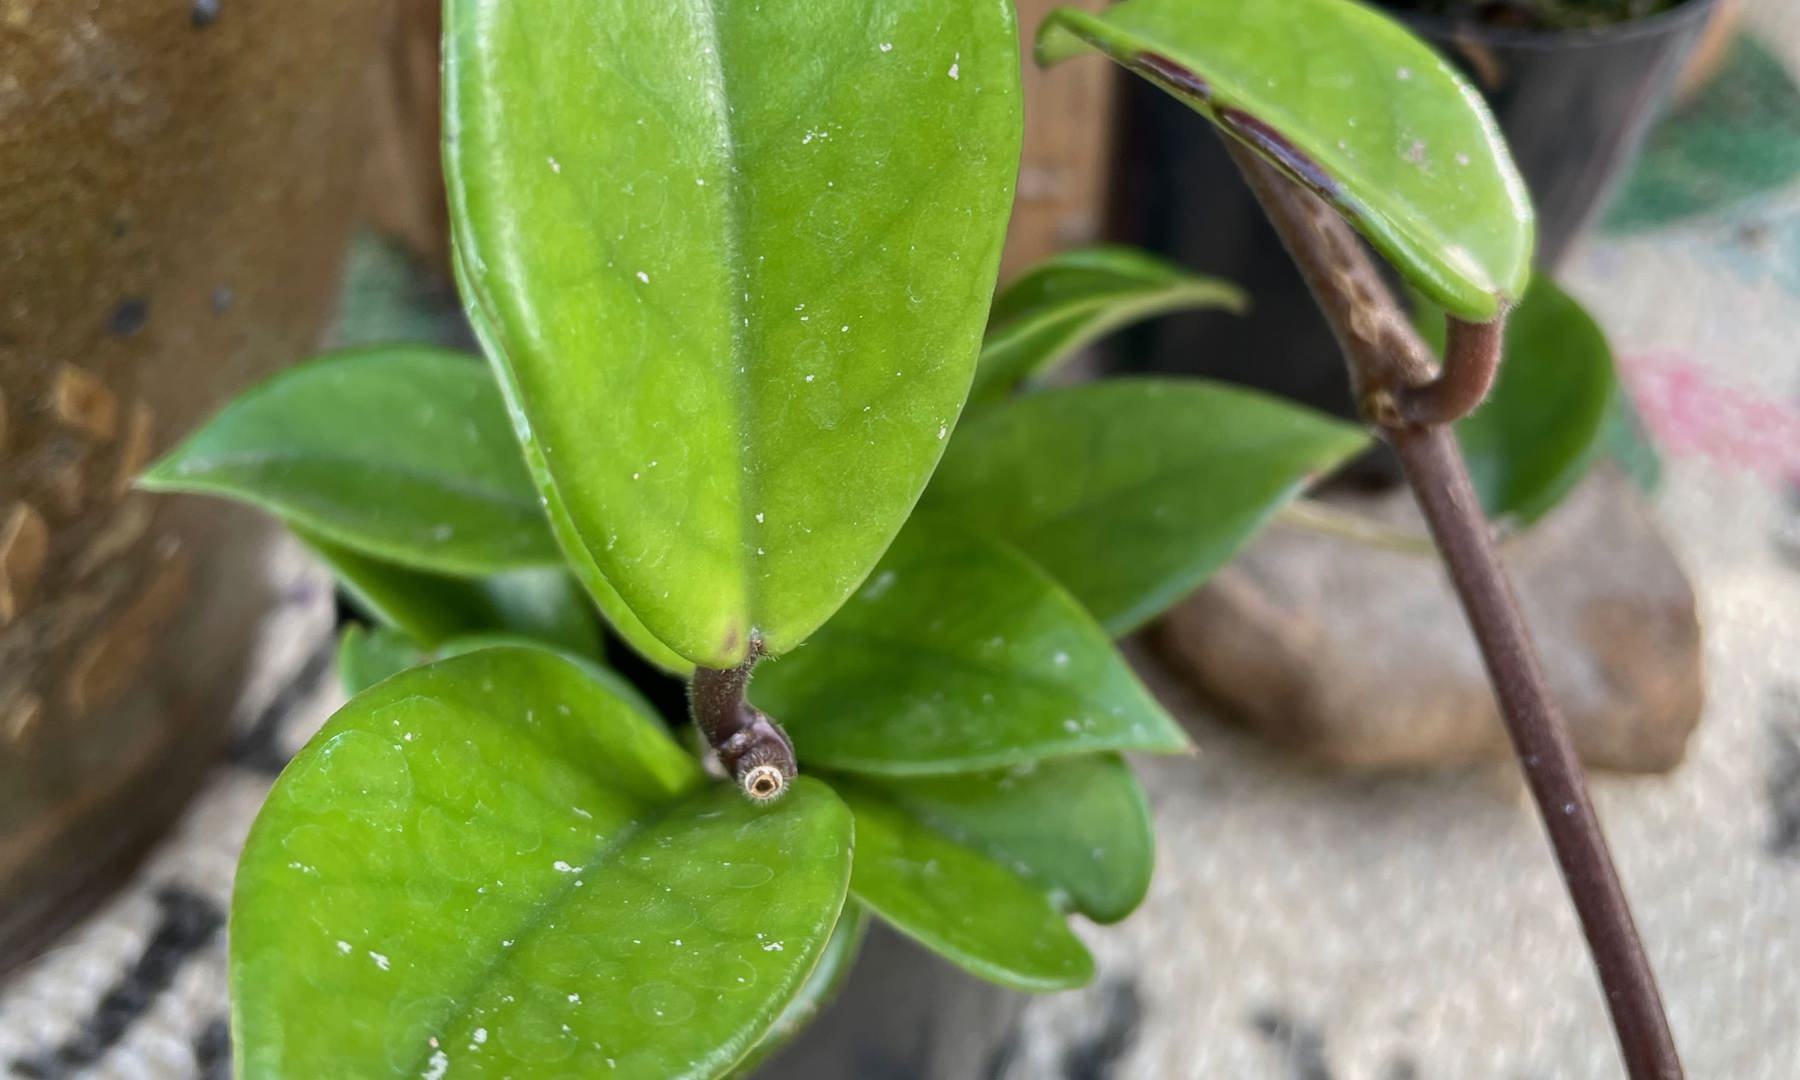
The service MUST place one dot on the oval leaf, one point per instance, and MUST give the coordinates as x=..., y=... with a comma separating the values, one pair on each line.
x=1064, y=303
x=621, y=618
x=737, y=301
x=490, y=867
x=1349, y=103
x=821, y=986
x=1079, y=826
x=958, y=903
x=401, y=452
x=958, y=656
x=1131, y=492
x=1532, y=440
x=544, y=605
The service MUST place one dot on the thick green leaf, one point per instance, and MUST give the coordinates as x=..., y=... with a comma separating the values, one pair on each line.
x=1349, y=103
x=821, y=986
x=736, y=301
x=1533, y=439
x=1131, y=492
x=544, y=605
x=958, y=902
x=621, y=618
x=958, y=656
x=1064, y=303
x=401, y=452
x=1080, y=826
x=493, y=867
x=367, y=656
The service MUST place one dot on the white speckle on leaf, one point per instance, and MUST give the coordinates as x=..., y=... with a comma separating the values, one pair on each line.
x=380, y=960
x=643, y=277
x=564, y=867
x=1462, y=159
x=479, y=1035
x=555, y=166
x=506, y=943
x=437, y=1066
x=699, y=182
x=773, y=946
x=759, y=518
x=943, y=430
x=1403, y=74
x=344, y=947
x=845, y=329
x=887, y=46
x=1061, y=659
x=956, y=67
x=810, y=378
x=574, y=999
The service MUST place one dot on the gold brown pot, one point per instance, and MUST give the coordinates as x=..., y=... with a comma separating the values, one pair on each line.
x=176, y=185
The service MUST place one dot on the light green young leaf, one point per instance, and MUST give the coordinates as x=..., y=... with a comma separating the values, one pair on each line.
x=492, y=867
x=959, y=903
x=400, y=452
x=1131, y=492
x=821, y=986
x=736, y=302
x=1348, y=102
x=1078, y=826
x=958, y=656
x=1066, y=302
x=1533, y=439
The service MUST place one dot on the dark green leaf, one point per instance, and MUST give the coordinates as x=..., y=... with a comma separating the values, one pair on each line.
x=1533, y=439
x=401, y=452
x=491, y=866
x=736, y=301
x=959, y=903
x=1131, y=492
x=1350, y=104
x=1064, y=303
x=366, y=657
x=544, y=605
x=958, y=656
x=1079, y=826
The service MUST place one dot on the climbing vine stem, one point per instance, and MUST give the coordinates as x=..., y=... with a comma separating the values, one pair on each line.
x=1411, y=405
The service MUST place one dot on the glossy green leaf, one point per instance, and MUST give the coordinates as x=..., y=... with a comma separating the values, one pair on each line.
x=821, y=986
x=493, y=867
x=1131, y=492
x=366, y=656
x=620, y=617
x=1066, y=302
x=958, y=656
x=1349, y=103
x=544, y=605
x=958, y=902
x=736, y=301
x=1079, y=826
x=401, y=452
x=1533, y=439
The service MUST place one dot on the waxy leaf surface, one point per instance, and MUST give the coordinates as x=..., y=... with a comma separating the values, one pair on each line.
x=958, y=902
x=735, y=291
x=1079, y=826
x=1131, y=492
x=1351, y=104
x=1067, y=301
x=494, y=867
x=400, y=452
x=958, y=656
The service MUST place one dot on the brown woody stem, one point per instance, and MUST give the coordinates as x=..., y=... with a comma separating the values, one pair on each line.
x=751, y=746
x=1409, y=406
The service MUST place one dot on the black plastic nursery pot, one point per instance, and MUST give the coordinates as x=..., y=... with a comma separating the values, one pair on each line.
x=1575, y=106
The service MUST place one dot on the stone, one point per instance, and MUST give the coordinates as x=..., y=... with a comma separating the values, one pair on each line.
x=1360, y=656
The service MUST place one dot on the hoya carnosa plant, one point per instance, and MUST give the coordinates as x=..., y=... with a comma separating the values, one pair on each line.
x=750, y=405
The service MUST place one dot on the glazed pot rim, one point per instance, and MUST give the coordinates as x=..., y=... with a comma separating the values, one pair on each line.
x=1446, y=28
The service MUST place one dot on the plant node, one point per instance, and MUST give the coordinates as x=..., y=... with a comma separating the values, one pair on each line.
x=751, y=746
